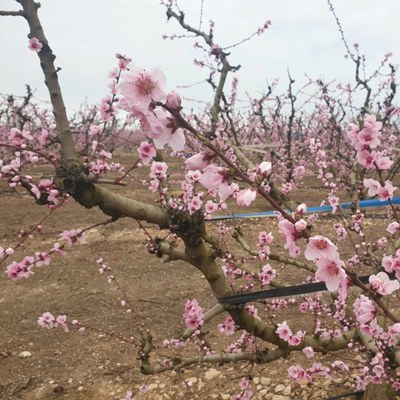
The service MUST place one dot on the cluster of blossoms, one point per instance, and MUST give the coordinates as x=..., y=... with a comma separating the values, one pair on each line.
x=23, y=269
x=392, y=264
x=367, y=139
x=245, y=391
x=227, y=327
x=285, y=333
x=193, y=314
x=47, y=320
x=142, y=91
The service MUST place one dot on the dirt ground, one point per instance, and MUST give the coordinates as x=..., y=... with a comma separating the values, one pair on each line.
x=95, y=364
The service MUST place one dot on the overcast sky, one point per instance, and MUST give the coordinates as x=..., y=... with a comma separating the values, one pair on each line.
x=85, y=35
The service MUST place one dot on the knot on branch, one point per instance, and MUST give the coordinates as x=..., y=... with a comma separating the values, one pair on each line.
x=68, y=177
x=190, y=228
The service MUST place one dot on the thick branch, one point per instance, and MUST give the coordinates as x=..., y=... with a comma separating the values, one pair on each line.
x=46, y=56
x=119, y=206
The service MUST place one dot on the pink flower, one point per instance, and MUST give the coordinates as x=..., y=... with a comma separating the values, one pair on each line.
x=193, y=314
x=371, y=124
x=267, y=274
x=383, y=163
x=300, y=225
x=72, y=236
x=382, y=284
x=334, y=202
x=373, y=186
x=296, y=339
x=331, y=272
x=140, y=87
x=393, y=227
x=298, y=374
x=366, y=158
x=47, y=320
x=158, y=170
x=35, y=45
x=228, y=327
x=301, y=209
x=369, y=138
x=146, y=152
x=308, y=351
x=210, y=207
x=386, y=192
x=320, y=247
x=284, y=331
x=174, y=101
x=289, y=233
x=165, y=130
x=199, y=160
x=212, y=177
x=264, y=168
x=246, y=197
x=364, y=309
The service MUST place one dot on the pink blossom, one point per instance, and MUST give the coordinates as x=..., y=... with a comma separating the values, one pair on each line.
x=373, y=186
x=35, y=45
x=195, y=204
x=289, y=233
x=296, y=339
x=383, y=163
x=228, y=327
x=246, y=197
x=320, y=247
x=371, y=124
x=16, y=271
x=366, y=158
x=158, y=170
x=369, y=138
x=72, y=236
x=382, y=284
x=267, y=274
x=300, y=225
x=174, y=101
x=212, y=177
x=331, y=272
x=386, y=192
x=6, y=252
x=301, y=209
x=264, y=168
x=141, y=86
x=193, y=314
x=47, y=320
x=164, y=130
x=199, y=160
x=334, y=202
x=210, y=207
x=284, y=331
x=146, y=152
x=393, y=227
x=308, y=351
x=364, y=309
x=298, y=374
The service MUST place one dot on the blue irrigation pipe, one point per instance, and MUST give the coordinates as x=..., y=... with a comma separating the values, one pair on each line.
x=310, y=210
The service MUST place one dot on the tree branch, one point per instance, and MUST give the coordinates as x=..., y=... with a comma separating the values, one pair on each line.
x=46, y=56
x=19, y=13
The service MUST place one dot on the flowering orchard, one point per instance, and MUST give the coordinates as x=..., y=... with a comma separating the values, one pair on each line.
x=231, y=159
